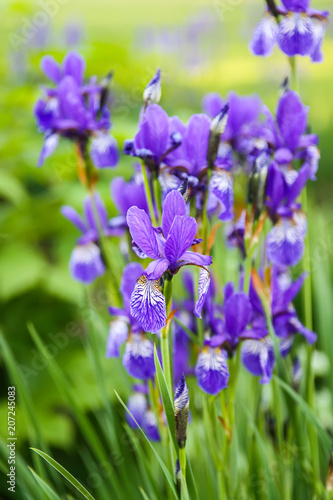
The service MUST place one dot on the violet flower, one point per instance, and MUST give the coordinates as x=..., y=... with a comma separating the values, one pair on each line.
x=86, y=262
x=138, y=358
x=143, y=415
x=76, y=111
x=169, y=247
x=295, y=27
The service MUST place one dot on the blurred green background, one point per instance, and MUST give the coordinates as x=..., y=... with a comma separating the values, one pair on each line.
x=201, y=46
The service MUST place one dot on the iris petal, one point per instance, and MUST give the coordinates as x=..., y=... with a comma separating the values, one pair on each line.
x=212, y=370
x=138, y=358
x=148, y=305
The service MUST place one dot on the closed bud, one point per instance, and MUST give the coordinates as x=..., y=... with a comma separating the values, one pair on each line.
x=217, y=128
x=153, y=91
x=181, y=406
x=105, y=84
x=257, y=184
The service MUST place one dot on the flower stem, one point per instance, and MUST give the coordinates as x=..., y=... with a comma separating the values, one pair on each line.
x=182, y=461
x=157, y=195
x=205, y=214
x=165, y=336
x=148, y=194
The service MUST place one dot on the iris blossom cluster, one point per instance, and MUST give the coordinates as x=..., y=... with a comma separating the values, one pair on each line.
x=75, y=110
x=236, y=162
x=294, y=26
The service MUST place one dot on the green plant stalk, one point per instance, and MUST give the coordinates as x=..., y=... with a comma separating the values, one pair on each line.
x=157, y=195
x=148, y=194
x=182, y=461
x=205, y=214
x=308, y=316
x=165, y=336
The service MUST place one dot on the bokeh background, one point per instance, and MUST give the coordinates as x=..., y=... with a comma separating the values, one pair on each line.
x=201, y=46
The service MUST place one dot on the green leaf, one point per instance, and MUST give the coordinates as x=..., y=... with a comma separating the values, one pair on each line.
x=323, y=436
x=51, y=494
x=159, y=459
x=144, y=494
x=67, y=475
x=166, y=399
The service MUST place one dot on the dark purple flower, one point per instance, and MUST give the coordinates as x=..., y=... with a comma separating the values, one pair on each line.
x=75, y=111
x=211, y=370
x=168, y=246
x=86, y=262
x=138, y=358
x=258, y=357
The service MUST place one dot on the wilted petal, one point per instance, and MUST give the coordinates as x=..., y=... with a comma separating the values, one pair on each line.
x=118, y=333
x=49, y=146
x=173, y=205
x=258, y=358
x=203, y=288
x=296, y=34
x=51, y=68
x=104, y=150
x=142, y=232
x=74, y=65
x=221, y=185
x=180, y=238
x=237, y=313
x=71, y=214
x=265, y=36
x=285, y=243
x=138, y=358
x=148, y=305
x=212, y=370
x=86, y=263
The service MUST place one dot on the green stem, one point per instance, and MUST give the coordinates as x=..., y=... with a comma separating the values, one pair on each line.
x=182, y=461
x=148, y=194
x=292, y=61
x=205, y=214
x=157, y=195
x=165, y=337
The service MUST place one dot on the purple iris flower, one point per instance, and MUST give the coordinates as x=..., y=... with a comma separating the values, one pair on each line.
x=190, y=161
x=76, y=111
x=285, y=241
x=125, y=194
x=212, y=369
x=138, y=358
x=295, y=27
x=144, y=416
x=86, y=262
x=169, y=247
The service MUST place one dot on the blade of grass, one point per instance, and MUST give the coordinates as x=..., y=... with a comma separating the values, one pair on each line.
x=51, y=494
x=67, y=475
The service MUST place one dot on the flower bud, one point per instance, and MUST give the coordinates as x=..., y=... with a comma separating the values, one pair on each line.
x=152, y=92
x=181, y=406
x=217, y=128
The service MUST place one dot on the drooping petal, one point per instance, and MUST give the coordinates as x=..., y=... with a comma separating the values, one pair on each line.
x=174, y=204
x=298, y=327
x=316, y=54
x=296, y=34
x=149, y=425
x=238, y=311
x=86, y=263
x=49, y=146
x=264, y=37
x=142, y=232
x=118, y=333
x=137, y=405
x=291, y=116
x=156, y=268
x=275, y=187
x=196, y=258
x=71, y=214
x=285, y=243
x=221, y=185
x=148, y=305
x=180, y=238
x=51, y=68
x=258, y=358
x=212, y=370
x=203, y=289
x=104, y=150
x=74, y=65
x=138, y=358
